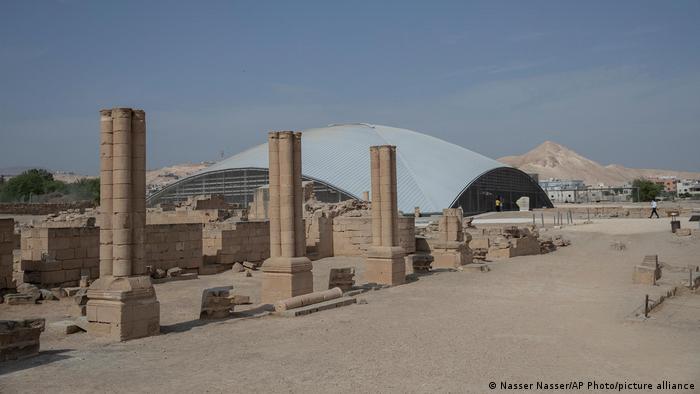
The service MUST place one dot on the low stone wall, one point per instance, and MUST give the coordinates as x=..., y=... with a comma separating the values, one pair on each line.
x=53, y=256
x=184, y=215
x=352, y=236
x=174, y=245
x=59, y=256
x=42, y=208
x=608, y=211
x=7, y=244
x=231, y=242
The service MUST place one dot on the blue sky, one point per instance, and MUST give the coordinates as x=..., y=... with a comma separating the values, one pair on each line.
x=619, y=82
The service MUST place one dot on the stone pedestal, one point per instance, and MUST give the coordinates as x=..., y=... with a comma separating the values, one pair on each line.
x=123, y=308
x=385, y=265
x=287, y=273
x=286, y=277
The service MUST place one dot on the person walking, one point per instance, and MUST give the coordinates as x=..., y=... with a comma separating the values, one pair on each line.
x=498, y=204
x=653, y=209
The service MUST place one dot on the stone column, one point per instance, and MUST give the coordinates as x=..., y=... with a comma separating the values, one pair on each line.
x=451, y=249
x=274, y=195
x=287, y=273
x=122, y=305
x=385, y=258
x=138, y=162
x=122, y=203
x=106, y=192
x=376, y=196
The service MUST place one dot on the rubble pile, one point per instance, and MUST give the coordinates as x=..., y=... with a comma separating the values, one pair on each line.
x=550, y=244
x=72, y=218
x=352, y=208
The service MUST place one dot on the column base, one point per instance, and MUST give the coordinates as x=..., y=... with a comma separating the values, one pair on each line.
x=450, y=258
x=123, y=308
x=286, y=277
x=385, y=265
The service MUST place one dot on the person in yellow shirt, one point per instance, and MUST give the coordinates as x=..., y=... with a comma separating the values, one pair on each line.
x=498, y=204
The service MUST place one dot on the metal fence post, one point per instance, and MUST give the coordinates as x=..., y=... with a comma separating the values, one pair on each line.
x=646, y=305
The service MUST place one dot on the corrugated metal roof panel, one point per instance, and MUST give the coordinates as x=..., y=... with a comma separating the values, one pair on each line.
x=430, y=172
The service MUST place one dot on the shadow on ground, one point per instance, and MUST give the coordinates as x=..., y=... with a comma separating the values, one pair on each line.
x=256, y=312
x=44, y=357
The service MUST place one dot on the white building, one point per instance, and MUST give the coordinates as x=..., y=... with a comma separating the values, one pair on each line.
x=688, y=186
x=564, y=190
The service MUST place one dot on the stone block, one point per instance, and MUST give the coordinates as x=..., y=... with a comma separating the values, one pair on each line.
x=500, y=253
x=683, y=232
x=20, y=338
x=64, y=327
x=449, y=258
x=343, y=278
x=479, y=243
x=216, y=303
x=644, y=275
x=19, y=299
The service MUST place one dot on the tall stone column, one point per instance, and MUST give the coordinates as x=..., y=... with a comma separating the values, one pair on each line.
x=451, y=249
x=122, y=302
x=106, y=192
x=385, y=258
x=287, y=273
x=122, y=201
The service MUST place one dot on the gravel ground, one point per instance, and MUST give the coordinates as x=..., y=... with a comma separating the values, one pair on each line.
x=554, y=318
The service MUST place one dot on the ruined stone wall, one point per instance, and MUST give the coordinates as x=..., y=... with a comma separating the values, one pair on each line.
x=59, y=256
x=352, y=236
x=230, y=242
x=20, y=208
x=183, y=215
x=603, y=211
x=319, y=236
x=174, y=245
x=55, y=256
x=7, y=244
x=209, y=202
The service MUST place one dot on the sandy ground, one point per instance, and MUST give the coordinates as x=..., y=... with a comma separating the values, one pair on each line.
x=554, y=318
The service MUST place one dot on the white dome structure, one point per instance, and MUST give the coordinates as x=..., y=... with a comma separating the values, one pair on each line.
x=432, y=174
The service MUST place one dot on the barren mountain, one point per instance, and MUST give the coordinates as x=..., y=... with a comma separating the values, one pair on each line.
x=551, y=160
x=166, y=175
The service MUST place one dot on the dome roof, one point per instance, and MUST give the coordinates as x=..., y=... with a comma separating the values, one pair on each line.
x=431, y=173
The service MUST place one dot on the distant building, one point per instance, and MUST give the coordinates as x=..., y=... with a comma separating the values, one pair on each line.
x=564, y=190
x=668, y=183
x=688, y=186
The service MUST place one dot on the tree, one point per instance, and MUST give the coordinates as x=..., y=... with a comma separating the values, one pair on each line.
x=648, y=190
x=30, y=183
x=85, y=189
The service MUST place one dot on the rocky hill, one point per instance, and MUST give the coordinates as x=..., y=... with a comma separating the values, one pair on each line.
x=166, y=175
x=551, y=160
